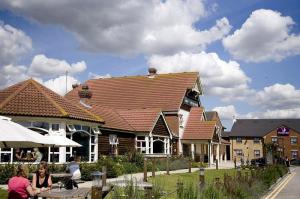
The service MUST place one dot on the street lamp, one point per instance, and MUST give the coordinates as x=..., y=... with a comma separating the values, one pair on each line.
x=96, y=185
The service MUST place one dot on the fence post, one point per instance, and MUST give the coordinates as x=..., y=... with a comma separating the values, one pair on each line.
x=168, y=167
x=145, y=169
x=190, y=165
x=217, y=164
x=201, y=178
x=153, y=167
x=104, y=171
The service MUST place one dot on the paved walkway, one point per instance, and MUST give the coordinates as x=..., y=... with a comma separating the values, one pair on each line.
x=292, y=189
x=139, y=176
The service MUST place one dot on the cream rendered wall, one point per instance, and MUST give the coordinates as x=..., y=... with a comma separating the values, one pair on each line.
x=247, y=146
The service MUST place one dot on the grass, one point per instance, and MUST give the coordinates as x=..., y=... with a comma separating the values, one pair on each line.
x=3, y=193
x=169, y=182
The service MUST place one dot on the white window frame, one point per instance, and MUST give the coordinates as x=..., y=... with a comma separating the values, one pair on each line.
x=274, y=137
x=294, y=152
x=96, y=130
x=294, y=137
x=238, y=152
x=239, y=140
x=256, y=140
x=139, y=144
x=257, y=153
x=113, y=139
x=71, y=127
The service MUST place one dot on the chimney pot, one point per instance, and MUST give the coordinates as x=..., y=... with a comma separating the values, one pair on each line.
x=74, y=86
x=152, y=71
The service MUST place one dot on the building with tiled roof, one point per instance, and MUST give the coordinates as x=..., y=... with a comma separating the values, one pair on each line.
x=37, y=107
x=248, y=137
x=131, y=104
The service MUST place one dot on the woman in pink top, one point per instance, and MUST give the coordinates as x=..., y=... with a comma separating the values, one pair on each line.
x=19, y=186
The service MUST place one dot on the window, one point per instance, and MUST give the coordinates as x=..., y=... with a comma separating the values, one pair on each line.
x=239, y=140
x=141, y=144
x=180, y=120
x=55, y=127
x=256, y=140
x=96, y=130
x=238, y=152
x=42, y=125
x=294, y=154
x=71, y=127
x=274, y=139
x=257, y=153
x=294, y=140
x=113, y=139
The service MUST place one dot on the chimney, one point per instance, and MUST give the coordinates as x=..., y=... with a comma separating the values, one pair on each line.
x=75, y=86
x=152, y=72
x=85, y=93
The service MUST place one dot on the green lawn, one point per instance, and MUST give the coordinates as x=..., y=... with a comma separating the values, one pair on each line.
x=169, y=182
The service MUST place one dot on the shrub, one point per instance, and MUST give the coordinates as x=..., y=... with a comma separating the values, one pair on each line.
x=6, y=172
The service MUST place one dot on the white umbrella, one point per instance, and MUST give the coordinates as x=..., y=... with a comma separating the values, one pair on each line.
x=13, y=135
x=60, y=141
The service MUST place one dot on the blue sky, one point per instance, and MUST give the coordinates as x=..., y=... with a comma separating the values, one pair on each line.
x=246, y=52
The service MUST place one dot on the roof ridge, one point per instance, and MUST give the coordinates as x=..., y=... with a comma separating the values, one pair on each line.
x=146, y=75
x=15, y=93
x=61, y=109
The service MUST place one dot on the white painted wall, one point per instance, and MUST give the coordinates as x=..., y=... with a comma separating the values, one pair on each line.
x=185, y=116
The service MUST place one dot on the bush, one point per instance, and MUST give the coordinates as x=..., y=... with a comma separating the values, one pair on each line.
x=6, y=172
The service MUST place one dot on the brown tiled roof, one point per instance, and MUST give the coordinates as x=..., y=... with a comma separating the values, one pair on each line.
x=29, y=98
x=173, y=123
x=164, y=91
x=141, y=119
x=196, y=129
x=112, y=118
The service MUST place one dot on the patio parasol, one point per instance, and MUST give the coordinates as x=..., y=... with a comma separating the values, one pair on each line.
x=13, y=135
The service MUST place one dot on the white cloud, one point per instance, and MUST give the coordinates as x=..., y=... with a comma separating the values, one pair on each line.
x=226, y=112
x=127, y=27
x=42, y=66
x=13, y=44
x=279, y=113
x=96, y=76
x=264, y=36
x=278, y=96
x=59, y=85
x=11, y=74
x=218, y=77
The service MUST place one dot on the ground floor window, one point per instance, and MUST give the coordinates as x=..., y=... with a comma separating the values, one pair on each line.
x=141, y=144
x=294, y=154
x=257, y=153
x=238, y=152
x=113, y=142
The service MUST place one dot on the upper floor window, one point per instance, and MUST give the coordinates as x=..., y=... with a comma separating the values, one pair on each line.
x=274, y=139
x=256, y=140
x=294, y=140
x=180, y=120
x=42, y=125
x=294, y=154
x=239, y=140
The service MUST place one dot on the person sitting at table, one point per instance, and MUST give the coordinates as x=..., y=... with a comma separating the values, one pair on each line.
x=41, y=180
x=19, y=154
x=37, y=155
x=74, y=169
x=19, y=186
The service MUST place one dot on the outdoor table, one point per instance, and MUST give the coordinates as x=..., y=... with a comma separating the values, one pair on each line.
x=63, y=193
x=61, y=175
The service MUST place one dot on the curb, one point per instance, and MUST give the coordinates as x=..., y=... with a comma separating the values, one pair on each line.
x=274, y=186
